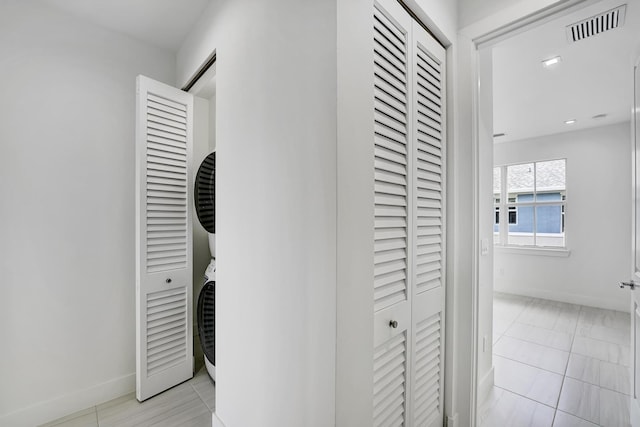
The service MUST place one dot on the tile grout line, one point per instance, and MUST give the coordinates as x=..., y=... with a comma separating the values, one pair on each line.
x=515, y=318
x=493, y=344
x=201, y=398
x=527, y=364
x=566, y=368
x=523, y=396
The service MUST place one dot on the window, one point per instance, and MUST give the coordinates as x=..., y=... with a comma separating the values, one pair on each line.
x=533, y=196
x=513, y=215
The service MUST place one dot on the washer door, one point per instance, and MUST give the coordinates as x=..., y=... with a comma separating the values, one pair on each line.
x=205, y=193
x=207, y=320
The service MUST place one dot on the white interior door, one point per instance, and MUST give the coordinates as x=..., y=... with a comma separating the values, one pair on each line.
x=409, y=158
x=392, y=267
x=164, y=135
x=428, y=213
x=635, y=292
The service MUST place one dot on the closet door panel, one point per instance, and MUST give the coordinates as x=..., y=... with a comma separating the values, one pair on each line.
x=392, y=186
x=428, y=211
x=409, y=236
x=164, y=339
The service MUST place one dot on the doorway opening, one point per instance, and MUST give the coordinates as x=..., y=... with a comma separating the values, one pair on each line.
x=203, y=87
x=554, y=326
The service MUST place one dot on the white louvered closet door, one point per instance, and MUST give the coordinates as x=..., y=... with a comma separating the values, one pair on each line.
x=164, y=341
x=409, y=221
x=391, y=288
x=428, y=235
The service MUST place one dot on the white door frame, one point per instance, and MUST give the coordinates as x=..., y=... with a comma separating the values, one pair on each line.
x=634, y=410
x=471, y=39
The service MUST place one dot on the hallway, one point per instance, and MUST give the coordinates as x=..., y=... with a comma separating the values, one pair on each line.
x=557, y=364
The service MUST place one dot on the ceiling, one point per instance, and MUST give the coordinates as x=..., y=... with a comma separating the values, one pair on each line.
x=594, y=76
x=162, y=23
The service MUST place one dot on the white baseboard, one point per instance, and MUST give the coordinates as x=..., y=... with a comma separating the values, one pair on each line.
x=58, y=407
x=216, y=422
x=485, y=385
x=618, y=304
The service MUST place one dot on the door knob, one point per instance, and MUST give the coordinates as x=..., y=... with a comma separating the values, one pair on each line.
x=630, y=284
x=393, y=324
x=168, y=280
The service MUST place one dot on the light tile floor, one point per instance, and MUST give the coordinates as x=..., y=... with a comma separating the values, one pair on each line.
x=558, y=365
x=189, y=404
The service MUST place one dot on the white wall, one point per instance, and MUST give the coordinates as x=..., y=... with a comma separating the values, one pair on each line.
x=355, y=194
x=67, y=188
x=276, y=207
x=597, y=220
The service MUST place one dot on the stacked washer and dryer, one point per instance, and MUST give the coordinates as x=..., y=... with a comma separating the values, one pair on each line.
x=205, y=201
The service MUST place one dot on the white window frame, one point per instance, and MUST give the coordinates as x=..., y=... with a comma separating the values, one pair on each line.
x=505, y=204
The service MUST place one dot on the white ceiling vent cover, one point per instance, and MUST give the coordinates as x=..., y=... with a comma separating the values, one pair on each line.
x=597, y=24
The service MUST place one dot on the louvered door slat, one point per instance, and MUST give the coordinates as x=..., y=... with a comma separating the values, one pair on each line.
x=387, y=88
x=167, y=119
x=392, y=77
x=429, y=132
x=429, y=64
x=385, y=107
x=425, y=118
x=162, y=142
x=428, y=139
x=425, y=101
x=163, y=239
x=382, y=27
x=390, y=188
x=381, y=96
x=427, y=173
x=176, y=130
x=429, y=110
x=154, y=109
x=165, y=137
x=426, y=157
x=162, y=106
x=168, y=104
x=428, y=82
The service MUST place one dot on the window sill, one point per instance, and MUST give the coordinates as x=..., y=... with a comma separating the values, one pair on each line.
x=559, y=252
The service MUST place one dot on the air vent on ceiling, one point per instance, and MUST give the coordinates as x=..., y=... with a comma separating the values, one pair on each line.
x=597, y=24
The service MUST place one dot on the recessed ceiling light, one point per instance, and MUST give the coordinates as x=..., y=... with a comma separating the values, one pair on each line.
x=570, y=122
x=599, y=116
x=498, y=135
x=549, y=63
